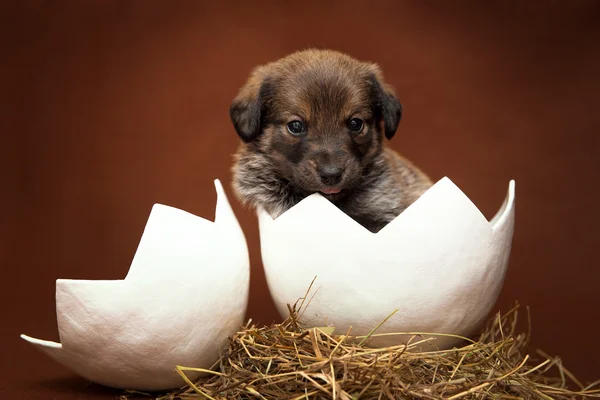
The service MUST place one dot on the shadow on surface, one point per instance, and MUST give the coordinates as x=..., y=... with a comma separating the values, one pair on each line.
x=78, y=388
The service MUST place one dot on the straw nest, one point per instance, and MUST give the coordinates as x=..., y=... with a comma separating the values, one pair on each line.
x=290, y=361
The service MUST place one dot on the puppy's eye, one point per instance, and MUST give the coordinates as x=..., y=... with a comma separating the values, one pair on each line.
x=295, y=127
x=355, y=125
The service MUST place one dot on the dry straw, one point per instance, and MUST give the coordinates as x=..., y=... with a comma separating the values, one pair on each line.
x=289, y=361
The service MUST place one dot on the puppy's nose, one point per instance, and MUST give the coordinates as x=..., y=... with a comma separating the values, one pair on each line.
x=330, y=175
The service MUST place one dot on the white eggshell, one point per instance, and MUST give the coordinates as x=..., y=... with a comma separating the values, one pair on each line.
x=185, y=293
x=440, y=263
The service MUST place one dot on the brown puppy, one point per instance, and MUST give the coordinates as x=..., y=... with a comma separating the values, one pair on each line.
x=314, y=121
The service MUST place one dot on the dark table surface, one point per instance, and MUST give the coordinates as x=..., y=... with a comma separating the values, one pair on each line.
x=109, y=107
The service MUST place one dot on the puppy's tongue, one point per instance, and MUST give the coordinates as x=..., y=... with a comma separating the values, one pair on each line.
x=330, y=191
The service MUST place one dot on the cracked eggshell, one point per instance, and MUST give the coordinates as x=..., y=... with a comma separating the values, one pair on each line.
x=440, y=263
x=185, y=293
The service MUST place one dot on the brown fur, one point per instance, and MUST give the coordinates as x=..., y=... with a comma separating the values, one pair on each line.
x=323, y=90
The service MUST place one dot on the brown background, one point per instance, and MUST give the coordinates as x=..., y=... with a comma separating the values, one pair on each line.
x=109, y=107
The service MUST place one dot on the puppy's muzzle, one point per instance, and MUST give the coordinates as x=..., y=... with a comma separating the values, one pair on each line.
x=330, y=175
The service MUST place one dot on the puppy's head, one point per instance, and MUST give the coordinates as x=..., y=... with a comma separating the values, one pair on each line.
x=319, y=116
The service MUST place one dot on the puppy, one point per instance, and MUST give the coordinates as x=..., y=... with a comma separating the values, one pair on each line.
x=315, y=121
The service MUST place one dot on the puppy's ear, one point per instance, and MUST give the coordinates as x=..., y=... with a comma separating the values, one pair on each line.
x=247, y=109
x=386, y=106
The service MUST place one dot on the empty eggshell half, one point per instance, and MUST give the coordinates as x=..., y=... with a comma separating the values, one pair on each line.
x=440, y=264
x=185, y=293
